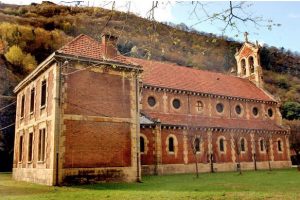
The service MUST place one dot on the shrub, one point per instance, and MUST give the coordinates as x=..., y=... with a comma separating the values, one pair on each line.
x=29, y=63
x=283, y=83
x=26, y=62
x=15, y=55
x=291, y=110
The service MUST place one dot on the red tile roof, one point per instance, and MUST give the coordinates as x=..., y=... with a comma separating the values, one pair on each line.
x=210, y=122
x=85, y=46
x=169, y=75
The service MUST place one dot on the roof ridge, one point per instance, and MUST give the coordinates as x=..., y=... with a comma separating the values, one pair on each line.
x=186, y=67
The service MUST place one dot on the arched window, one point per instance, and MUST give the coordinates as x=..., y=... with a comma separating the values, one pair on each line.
x=243, y=66
x=171, y=144
x=197, y=144
x=221, y=145
x=279, y=145
x=251, y=64
x=199, y=106
x=243, y=145
x=142, y=145
x=262, y=145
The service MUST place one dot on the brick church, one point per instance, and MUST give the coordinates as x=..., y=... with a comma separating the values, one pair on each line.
x=89, y=114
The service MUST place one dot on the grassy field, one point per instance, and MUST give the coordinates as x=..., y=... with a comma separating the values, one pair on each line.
x=278, y=184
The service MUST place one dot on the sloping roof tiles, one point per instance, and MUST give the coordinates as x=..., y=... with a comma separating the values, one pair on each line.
x=85, y=46
x=168, y=75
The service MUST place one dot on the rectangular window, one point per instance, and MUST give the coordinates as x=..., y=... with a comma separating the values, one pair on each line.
x=32, y=92
x=30, y=141
x=22, y=106
x=43, y=93
x=20, y=148
x=42, y=144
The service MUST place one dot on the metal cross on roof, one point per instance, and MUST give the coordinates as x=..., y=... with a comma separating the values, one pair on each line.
x=246, y=36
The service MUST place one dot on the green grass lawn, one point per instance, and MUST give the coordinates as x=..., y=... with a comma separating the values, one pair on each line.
x=278, y=184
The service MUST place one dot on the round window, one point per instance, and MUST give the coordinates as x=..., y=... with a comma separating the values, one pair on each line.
x=238, y=109
x=151, y=101
x=270, y=112
x=220, y=107
x=255, y=111
x=176, y=103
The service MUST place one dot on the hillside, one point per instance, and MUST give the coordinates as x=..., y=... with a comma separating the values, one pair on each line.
x=28, y=34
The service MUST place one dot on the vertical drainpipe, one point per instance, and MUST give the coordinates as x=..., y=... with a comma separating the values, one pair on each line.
x=57, y=125
x=189, y=107
x=137, y=129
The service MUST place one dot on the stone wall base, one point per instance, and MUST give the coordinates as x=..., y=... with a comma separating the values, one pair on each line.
x=76, y=175
x=34, y=175
x=222, y=167
x=92, y=175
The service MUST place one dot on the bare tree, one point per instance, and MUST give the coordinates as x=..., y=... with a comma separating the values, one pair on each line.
x=238, y=149
x=263, y=142
x=235, y=14
x=194, y=144
x=232, y=16
x=267, y=145
x=195, y=141
x=254, y=154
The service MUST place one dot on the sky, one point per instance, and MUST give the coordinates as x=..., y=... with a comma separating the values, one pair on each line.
x=287, y=14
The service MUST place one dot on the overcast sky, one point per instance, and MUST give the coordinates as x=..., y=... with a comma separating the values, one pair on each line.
x=285, y=13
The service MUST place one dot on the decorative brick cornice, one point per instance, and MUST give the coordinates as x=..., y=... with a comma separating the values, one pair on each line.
x=215, y=129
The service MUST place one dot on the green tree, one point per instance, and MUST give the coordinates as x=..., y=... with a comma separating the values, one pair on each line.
x=15, y=55
x=291, y=110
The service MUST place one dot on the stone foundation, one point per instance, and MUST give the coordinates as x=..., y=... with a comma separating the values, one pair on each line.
x=218, y=167
x=34, y=175
x=94, y=175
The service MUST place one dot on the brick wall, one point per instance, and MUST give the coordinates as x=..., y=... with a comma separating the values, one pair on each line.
x=246, y=156
x=189, y=102
x=97, y=144
x=202, y=156
x=283, y=154
x=97, y=94
x=219, y=156
x=172, y=158
x=99, y=125
x=148, y=158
